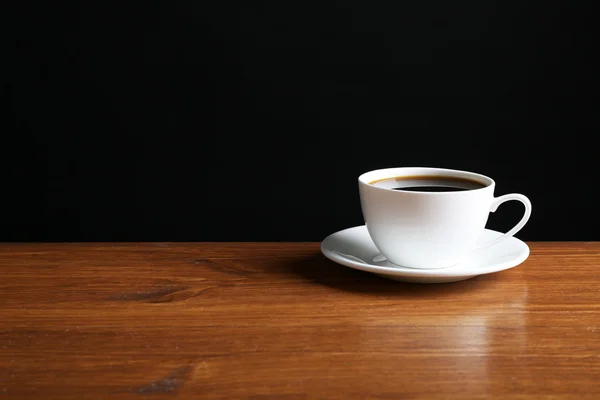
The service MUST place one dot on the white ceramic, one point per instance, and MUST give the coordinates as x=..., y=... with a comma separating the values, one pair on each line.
x=430, y=230
x=354, y=248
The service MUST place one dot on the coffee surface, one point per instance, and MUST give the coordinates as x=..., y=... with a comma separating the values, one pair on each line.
x=428, y=184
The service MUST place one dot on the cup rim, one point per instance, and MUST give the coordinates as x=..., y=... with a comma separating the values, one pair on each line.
x=377, y=174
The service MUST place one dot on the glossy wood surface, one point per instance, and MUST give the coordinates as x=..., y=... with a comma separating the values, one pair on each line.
x=279, y=321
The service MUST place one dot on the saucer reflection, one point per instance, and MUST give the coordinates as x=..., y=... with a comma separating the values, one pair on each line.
x=466, y=335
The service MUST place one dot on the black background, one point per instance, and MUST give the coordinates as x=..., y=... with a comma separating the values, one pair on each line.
x=190, y=120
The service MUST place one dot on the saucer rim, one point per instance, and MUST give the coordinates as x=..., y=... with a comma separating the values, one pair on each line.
x=450, y=272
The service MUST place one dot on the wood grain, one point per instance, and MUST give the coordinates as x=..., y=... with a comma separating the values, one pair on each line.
x=279, y=321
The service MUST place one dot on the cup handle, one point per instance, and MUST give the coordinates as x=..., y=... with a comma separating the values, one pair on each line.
x=502, y=199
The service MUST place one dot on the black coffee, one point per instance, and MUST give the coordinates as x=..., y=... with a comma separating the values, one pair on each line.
x=428, y=184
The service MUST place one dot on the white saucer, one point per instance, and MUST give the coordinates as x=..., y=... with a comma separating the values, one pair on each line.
x=354, y=248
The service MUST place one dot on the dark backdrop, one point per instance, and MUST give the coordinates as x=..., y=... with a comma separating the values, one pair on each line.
x=213, y=120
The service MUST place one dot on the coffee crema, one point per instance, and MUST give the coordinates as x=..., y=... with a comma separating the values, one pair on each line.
x=433, y=183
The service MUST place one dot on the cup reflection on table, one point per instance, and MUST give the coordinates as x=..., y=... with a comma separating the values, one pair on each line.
x=467, y=333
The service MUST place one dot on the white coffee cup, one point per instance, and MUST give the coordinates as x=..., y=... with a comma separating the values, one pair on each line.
x=428, y=230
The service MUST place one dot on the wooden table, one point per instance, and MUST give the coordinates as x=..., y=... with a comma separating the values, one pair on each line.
x=279, y=321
